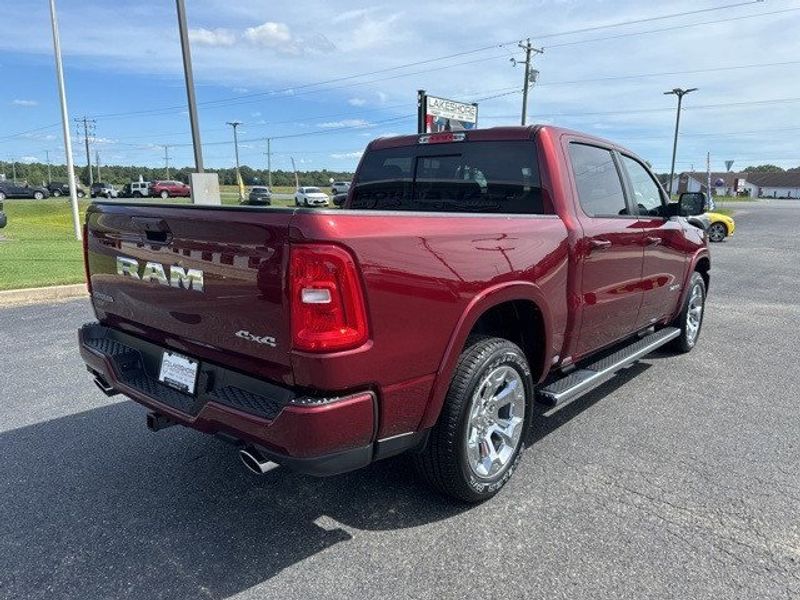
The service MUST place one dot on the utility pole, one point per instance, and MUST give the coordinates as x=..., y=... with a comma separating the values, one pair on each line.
x=187, y=74
x=530, y=74
x=269, y=163
x=88, y=132
x=236, y=124
x=49, y=170
x=166, y=160
x=97, y=164
x=14, y=169
x=680, y=93
x=62, y=95
x=708, y=180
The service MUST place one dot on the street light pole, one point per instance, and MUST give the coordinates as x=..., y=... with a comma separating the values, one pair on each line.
x=187, y=74
x=236, y=124
x=73, y=190
x=49, y=169
x=680, y=93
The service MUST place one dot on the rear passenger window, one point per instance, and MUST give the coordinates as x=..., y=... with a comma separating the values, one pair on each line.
x=596, y=176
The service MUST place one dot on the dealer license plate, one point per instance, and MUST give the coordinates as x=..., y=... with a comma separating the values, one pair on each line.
x=178, y=371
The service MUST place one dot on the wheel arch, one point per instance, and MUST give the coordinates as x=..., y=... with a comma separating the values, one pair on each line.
x=502, y=311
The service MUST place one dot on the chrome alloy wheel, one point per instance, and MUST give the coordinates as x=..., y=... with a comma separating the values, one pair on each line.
x=495, y=422
x=694, y=313
x=717, y=232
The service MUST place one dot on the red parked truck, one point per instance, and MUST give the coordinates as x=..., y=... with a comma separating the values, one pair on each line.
x=468, y=275
x=170, y=189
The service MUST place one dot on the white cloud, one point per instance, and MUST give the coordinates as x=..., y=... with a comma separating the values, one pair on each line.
x=345, y=123
x=269, y=35
x=212, y=37
x=25, y=103
x=352, y=15
x=356, y=102
x=382, y=96
x=256, y=113
x=28, y=159
x=341, y=155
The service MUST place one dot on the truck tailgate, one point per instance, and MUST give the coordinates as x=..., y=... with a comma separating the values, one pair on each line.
x=206, y=281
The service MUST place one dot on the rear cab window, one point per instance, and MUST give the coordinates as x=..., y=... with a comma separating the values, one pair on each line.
x=464, y=176
x=598, y=181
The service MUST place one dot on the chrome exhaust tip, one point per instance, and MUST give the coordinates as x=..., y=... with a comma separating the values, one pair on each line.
x=255, y=462
x=104, y=386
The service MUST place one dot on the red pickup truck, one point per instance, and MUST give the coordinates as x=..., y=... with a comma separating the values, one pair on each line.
x=467, y=276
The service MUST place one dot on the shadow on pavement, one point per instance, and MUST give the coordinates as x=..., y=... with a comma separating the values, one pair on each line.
x=94, y=505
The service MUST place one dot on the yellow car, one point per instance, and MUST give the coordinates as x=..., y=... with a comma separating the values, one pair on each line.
x=719, y=226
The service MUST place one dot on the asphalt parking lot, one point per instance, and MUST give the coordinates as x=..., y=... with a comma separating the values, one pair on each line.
x=679, y=479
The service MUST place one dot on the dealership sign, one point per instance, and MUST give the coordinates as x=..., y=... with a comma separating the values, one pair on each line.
x=440, y=114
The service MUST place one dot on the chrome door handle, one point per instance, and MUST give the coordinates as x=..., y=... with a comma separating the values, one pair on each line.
x=597, y=244
x=653, y=240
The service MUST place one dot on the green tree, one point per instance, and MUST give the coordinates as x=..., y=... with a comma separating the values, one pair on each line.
x=764, y=169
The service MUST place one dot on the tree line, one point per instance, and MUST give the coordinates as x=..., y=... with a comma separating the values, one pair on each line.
x=36, y=174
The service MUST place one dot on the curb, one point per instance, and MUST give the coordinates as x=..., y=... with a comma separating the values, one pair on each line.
x=42, y=294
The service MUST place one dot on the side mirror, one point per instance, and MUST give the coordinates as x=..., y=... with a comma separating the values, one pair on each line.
x=691, y=204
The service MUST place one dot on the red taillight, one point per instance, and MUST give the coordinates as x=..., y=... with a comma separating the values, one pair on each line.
x=328, y=311
x=86, y=258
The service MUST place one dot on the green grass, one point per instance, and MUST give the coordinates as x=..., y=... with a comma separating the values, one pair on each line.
x=38, y=246
x=724, y=211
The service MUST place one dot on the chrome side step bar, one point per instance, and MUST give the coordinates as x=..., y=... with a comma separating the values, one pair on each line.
x=584, y=380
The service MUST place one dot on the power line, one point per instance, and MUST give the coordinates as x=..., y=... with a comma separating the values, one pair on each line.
x=671, y=28
x=293, y=89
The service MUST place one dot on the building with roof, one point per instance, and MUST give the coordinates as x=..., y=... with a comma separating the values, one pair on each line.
x=756, y=185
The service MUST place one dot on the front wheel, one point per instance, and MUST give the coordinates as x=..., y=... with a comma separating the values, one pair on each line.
x=164, y=194
x=38, y=195
x=717, y=232
x=690, y=319
x=2, y=195
x=81, y=195
x=478, y=441
x=56, y=193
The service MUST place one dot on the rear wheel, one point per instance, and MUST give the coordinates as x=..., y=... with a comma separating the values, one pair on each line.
x=56, y=193
x=478, y=441
x=81, y=194
x=2, y=195
x=164, y=194
x=137, y=194
x=717, y=232
x=38, y=195
x=690, y=320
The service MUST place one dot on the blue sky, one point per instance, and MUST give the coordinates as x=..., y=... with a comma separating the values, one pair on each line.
x=262, y=63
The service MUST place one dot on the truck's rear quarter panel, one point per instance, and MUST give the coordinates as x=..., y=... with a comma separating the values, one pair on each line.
x=421, y=272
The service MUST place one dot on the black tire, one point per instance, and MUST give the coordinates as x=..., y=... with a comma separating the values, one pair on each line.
x=717, y=231
x=81, y=194
x=2, y=195
x=38, y=196
x=56, y=193
x=687, y=340
x=137, y=194
x=444, y=463
x=164, y=194
x=296, y=201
